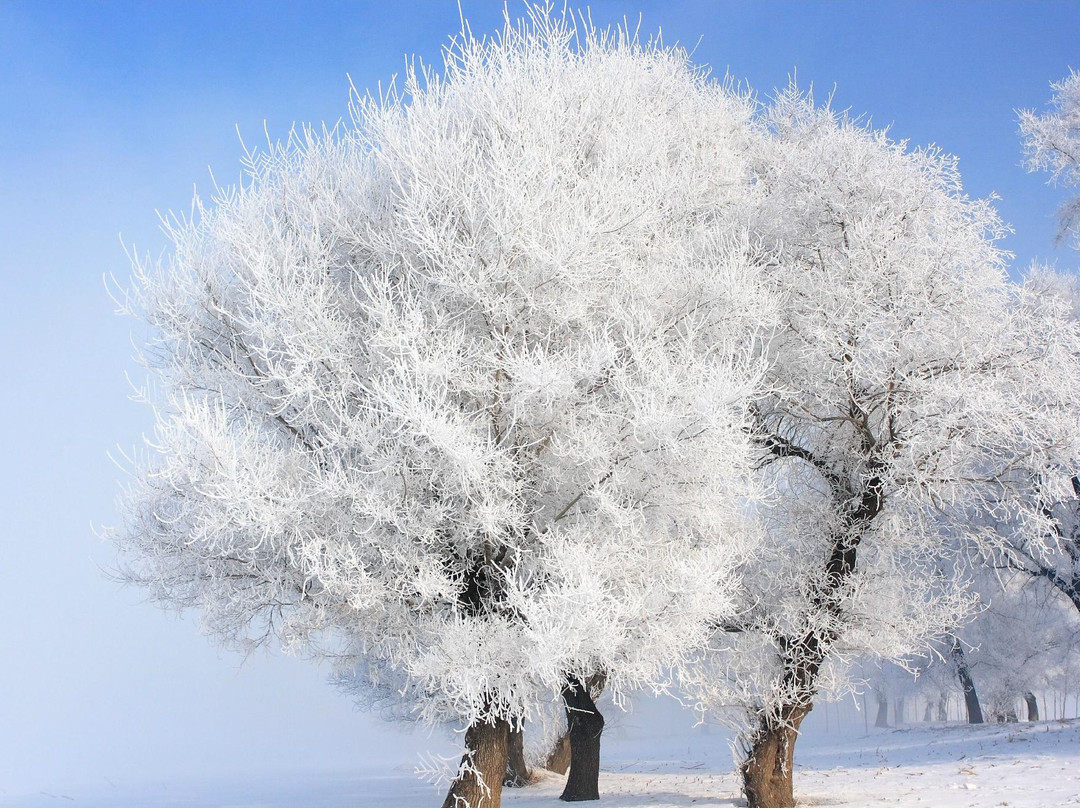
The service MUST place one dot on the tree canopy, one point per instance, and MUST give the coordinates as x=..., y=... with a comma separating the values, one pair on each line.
x=458, y=393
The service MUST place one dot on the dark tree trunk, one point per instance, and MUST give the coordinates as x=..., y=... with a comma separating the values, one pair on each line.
x=943, y=709
x=971, y=696
x=518, y=774
x=882, y=719
x=585, y=726
x=558, y=760
x=768, y=769
x=1032, y=706
x=480, y=779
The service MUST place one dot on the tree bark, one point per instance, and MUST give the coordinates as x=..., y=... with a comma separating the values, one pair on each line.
x=558, y=760
x=1032, y=706
x=971, y=696
x=768, y=769
x=518, y=774
x=480, y=777
x=882, y=719
x=585, y=726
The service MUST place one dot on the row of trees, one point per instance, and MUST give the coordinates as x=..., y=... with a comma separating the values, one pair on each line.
x=570, y=367
x=1019, y=659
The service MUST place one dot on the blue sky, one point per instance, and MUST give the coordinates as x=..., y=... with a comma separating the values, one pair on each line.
x=112, y=110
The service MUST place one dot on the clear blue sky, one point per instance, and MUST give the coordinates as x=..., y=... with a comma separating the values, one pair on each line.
x=112, y=110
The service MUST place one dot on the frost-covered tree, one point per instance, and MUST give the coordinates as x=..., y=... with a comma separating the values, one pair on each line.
x=910, y=382
x=1056, y=557
x=458, y=393
x=1021, y=646
x=1052, y=143
x=1022, y=643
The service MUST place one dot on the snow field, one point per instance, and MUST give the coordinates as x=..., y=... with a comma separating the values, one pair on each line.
x=945, y=766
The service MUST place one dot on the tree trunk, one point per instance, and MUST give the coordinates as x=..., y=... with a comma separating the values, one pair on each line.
x=882, y=719
x=558, y=760
x=971, y=696
x=898, y=711
x=943, y=708
x=585, y=726
x=517, y=771
x=928, y=713
x=768, y=769
x=1032, y=706
x=480, y=776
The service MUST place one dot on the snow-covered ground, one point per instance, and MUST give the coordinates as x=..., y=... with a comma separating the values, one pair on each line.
x=945, y=766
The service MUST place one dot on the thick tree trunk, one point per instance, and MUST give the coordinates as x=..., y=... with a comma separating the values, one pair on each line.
x=971, y=696
x=882, y=719
x=768, y=769
x=1032, y=706
x=480, y=778
x=517, y=771
x=558, y=760
x=585, y=726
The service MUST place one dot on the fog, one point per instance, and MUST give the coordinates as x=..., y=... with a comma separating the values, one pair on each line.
x=114, y=110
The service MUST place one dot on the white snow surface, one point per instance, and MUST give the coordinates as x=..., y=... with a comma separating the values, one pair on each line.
x=942, y=765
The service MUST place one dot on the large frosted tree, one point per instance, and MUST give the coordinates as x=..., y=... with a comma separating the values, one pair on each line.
x=458, y=393
x=913, y=390
x=1052, y=144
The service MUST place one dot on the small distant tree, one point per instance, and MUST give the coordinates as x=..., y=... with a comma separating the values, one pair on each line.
x=910, y=385
x=1052, y=143
x=1023, y=642
x=458, y=394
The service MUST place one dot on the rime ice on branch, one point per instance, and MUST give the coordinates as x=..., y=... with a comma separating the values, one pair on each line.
x=1052, y=144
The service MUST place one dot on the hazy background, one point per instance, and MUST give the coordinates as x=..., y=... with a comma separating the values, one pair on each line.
x=112, y=110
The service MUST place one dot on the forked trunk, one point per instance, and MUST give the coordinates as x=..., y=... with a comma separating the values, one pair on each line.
x=585, y=726
x=559, y=759
x=517, y=771
x=1032, y=706
x=769, y=766
x=480, y=777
